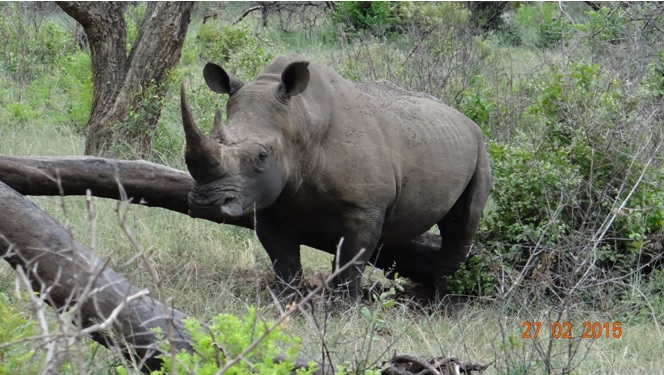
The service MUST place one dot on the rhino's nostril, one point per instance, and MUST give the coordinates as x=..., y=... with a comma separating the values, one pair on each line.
x=231, y=207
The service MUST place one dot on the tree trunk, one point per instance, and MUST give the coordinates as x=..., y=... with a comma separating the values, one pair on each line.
x=120, y=83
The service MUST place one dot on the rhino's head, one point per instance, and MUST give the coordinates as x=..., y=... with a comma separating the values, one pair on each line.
x=246, y=166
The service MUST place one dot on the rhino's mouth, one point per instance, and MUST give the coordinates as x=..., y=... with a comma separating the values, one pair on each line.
x=229, y=205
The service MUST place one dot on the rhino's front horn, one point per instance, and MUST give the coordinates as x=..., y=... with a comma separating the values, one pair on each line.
x=202, y=155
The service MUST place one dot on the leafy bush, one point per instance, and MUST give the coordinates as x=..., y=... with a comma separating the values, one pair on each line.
x=575, y=184
x=540, y=24
x=475, y=277
x=553, y=27
x=236, y=48
x=429, y=15
x=476, y=102
x=64, y=92
x=30, y=45
x=357, y=16
x=225, y=339
x=16, y=356
x=579, y=171
x=652, y=86
x=570, y=107
x=76, y=81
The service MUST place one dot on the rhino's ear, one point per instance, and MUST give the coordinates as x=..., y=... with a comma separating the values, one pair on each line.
x=294, y=79
x=220, y=81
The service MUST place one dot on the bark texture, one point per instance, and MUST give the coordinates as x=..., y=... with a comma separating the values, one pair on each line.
x=119, y=81
x=64, y=273
x=156, y=185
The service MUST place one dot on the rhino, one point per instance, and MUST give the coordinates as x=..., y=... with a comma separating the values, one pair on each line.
x=339, y=166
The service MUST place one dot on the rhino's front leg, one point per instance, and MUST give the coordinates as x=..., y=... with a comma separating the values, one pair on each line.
x=283, y=252
x=361, y=234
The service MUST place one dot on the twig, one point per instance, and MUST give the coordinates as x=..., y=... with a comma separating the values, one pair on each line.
x=111, y=318
x=246, y=13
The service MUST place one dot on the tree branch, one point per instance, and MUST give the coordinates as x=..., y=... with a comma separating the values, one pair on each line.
x=246, y=13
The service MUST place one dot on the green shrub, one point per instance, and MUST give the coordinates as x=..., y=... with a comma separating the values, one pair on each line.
x=652, y=85
x=561, y=180
x=30, y=46
x=570, y=106
x=236, y=48
x=16, y=355
x=474, y=278
x=53, y=42
x=476, y=102
x=226, y=338
x=358, y=16
x=603, y=25
x=63, y=94
x=429, y=15
x=540, y=24
x=553, y=27
x=76, y=81
x=529, y=184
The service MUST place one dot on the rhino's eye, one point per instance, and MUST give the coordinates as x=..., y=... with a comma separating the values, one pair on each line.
x=260, y=159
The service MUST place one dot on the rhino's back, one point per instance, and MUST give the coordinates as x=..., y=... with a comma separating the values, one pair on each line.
x=425, y=133
x=438, y=150
x=403, y=150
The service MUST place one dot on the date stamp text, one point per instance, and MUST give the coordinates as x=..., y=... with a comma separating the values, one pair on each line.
x=563, y=330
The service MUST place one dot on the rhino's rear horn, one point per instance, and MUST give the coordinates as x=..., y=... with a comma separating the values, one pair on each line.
x=202, y=155
x=218, y=132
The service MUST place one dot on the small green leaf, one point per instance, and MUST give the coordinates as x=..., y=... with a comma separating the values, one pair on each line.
x=366, y=314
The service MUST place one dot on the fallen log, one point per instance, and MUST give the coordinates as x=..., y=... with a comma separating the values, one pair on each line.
x=65, y=274
x=142, y=182
x=157, y=185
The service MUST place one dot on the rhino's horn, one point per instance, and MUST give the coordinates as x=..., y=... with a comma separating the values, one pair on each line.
x=202, y=155
x=218, y=132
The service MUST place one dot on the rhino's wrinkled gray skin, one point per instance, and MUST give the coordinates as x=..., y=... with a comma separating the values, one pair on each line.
x=319, y=158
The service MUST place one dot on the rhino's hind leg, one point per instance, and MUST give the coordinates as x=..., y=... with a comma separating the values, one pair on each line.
x=458, y=227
